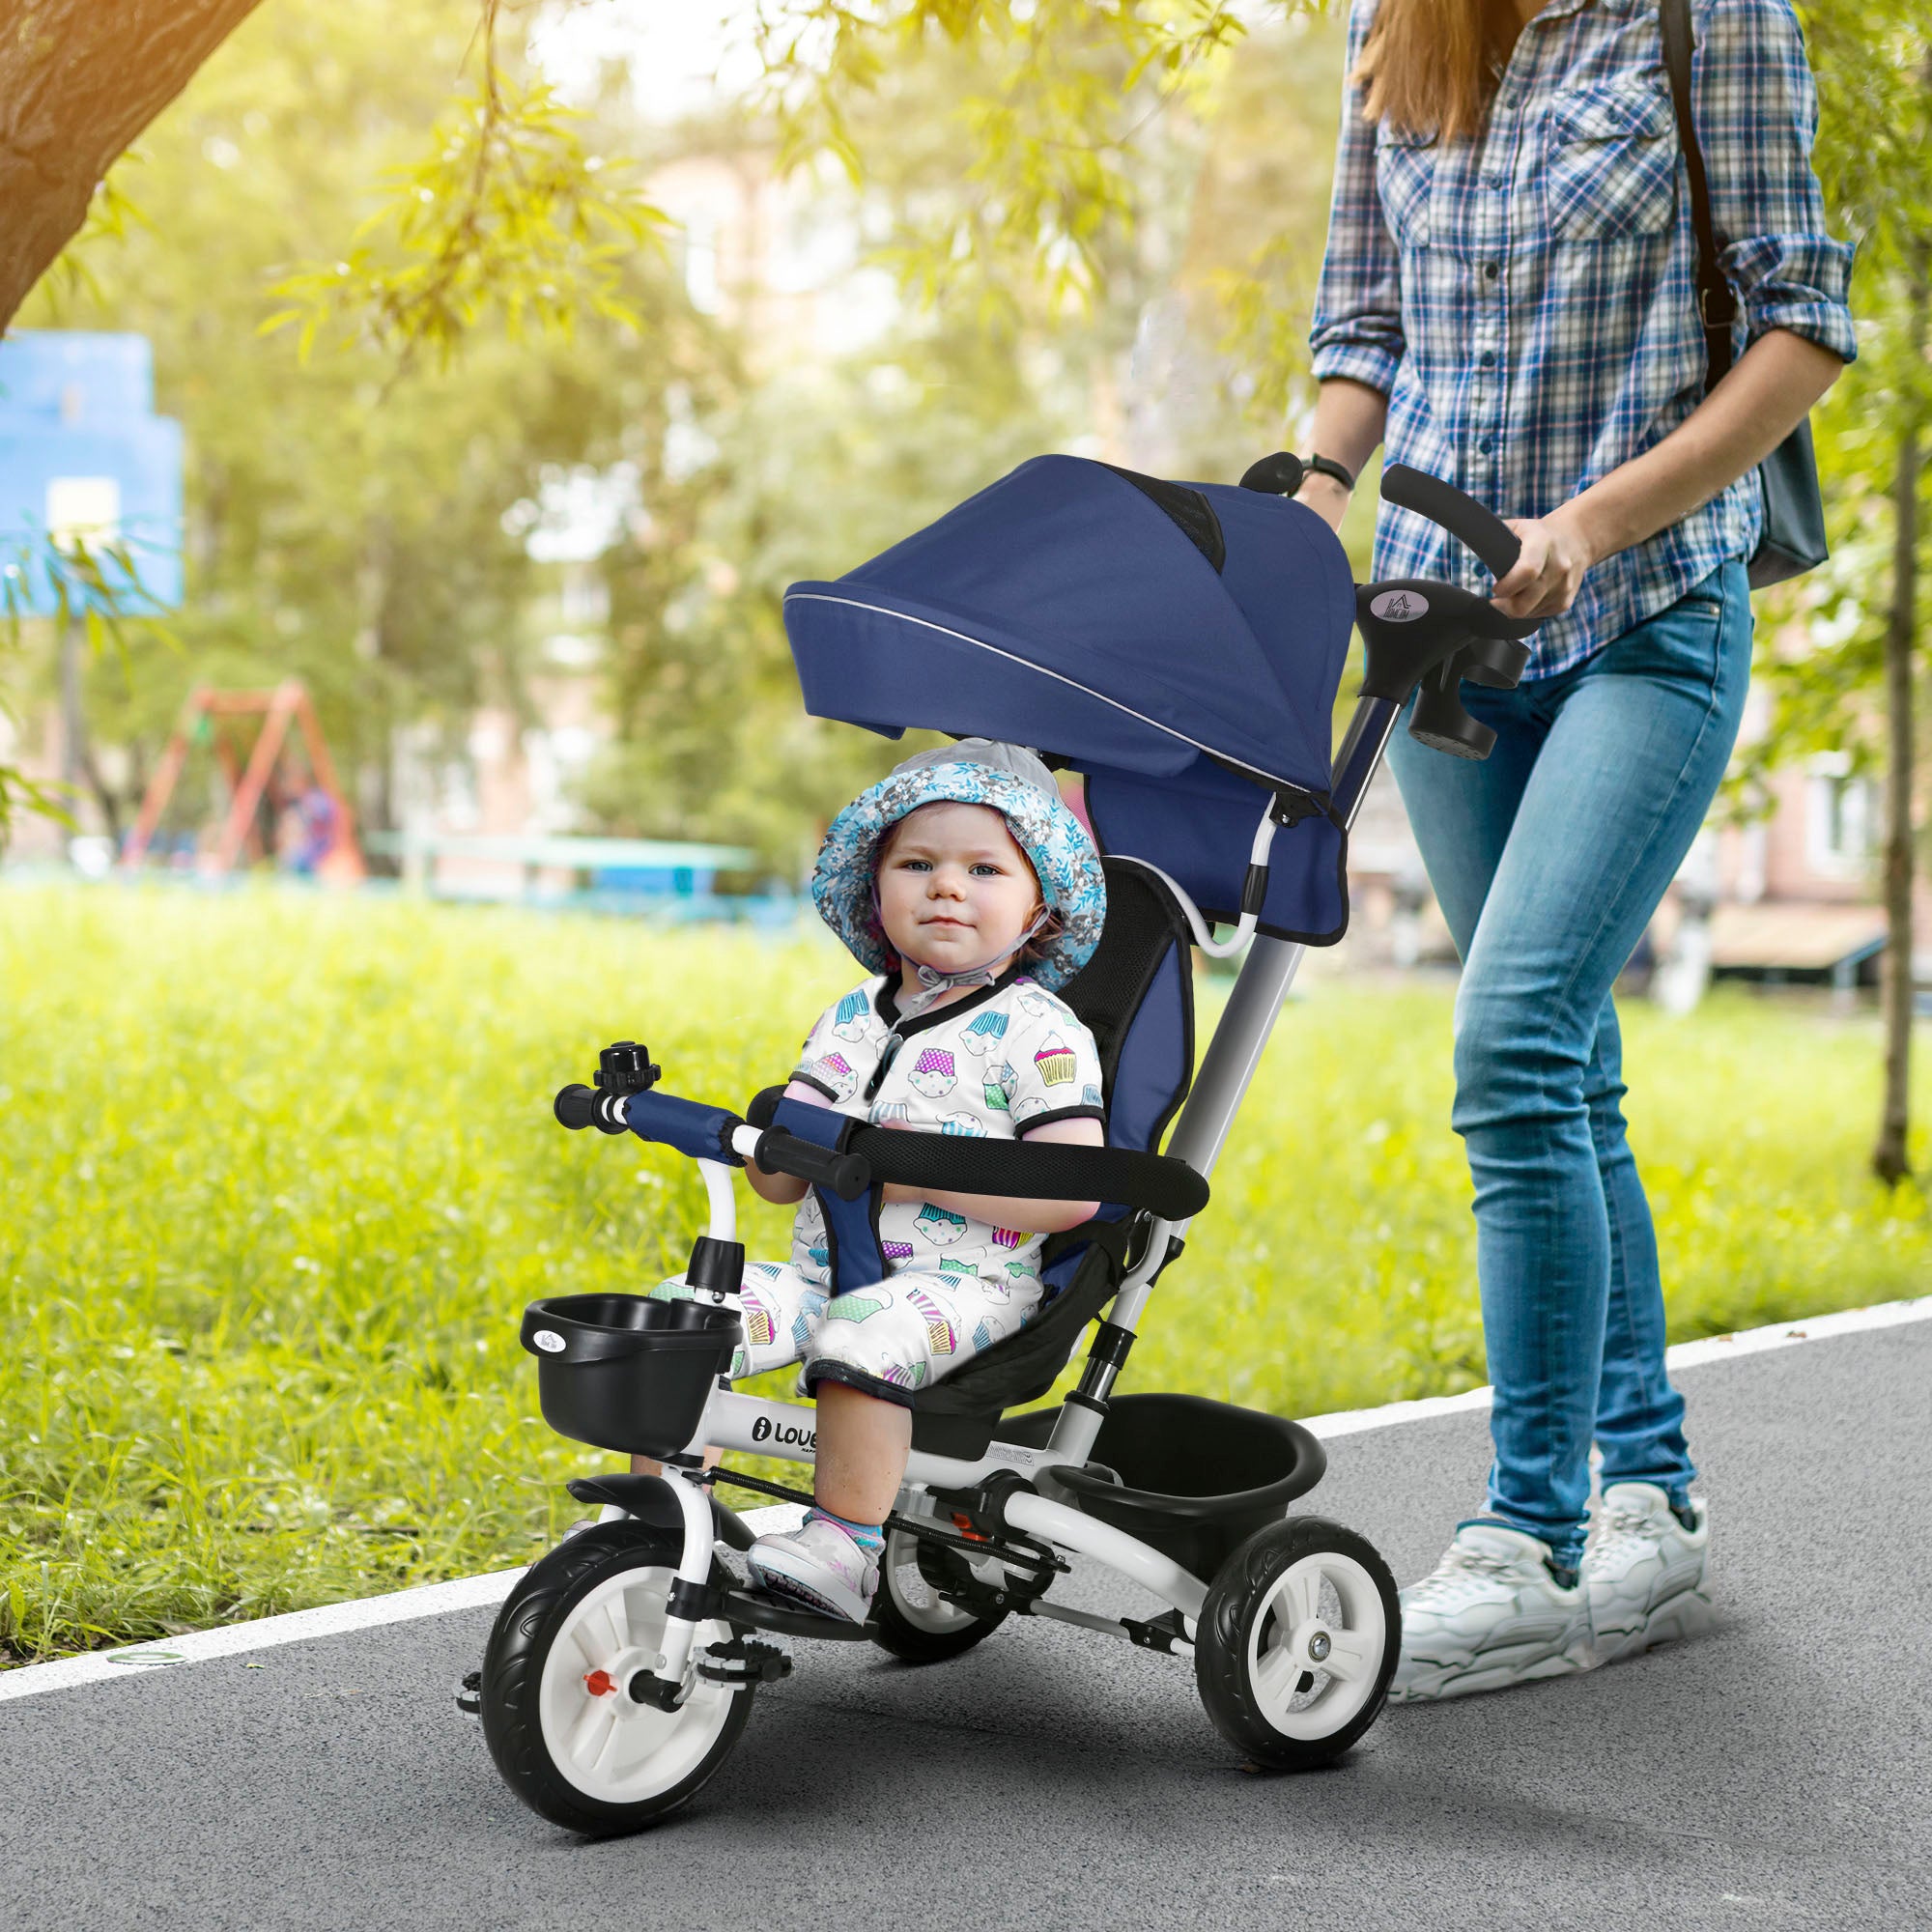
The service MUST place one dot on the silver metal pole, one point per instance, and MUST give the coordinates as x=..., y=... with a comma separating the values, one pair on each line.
x=1228, y=1069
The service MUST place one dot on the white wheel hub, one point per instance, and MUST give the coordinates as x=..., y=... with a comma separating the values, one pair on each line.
x=605, y=1743
x=1315, y=1645
x=917, y=1600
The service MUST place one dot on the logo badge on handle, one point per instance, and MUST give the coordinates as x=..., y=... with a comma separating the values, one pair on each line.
x=549, y=1341
x=1398, y=606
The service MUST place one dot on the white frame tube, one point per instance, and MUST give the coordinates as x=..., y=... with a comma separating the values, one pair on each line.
x=754, y=1425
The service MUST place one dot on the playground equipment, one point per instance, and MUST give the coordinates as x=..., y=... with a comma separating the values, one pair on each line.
x=282, y=769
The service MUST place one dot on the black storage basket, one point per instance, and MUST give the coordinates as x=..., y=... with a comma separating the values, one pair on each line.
x=1198, y=1477
x=626, y=1373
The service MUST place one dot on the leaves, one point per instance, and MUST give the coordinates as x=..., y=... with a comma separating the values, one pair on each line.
x=1043, y=169
x=510, y=212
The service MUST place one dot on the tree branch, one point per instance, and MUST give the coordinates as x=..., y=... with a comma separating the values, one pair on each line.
x=79, y=81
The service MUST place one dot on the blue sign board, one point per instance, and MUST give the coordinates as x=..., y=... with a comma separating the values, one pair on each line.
x=83, y=456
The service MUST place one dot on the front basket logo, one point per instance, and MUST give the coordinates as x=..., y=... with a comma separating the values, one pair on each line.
x=1398, y=606
x=549, y=1341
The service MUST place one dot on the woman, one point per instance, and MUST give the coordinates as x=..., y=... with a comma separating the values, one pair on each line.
x=1507, y=300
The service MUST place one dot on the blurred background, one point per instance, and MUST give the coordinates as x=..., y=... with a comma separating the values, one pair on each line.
x=401, y=461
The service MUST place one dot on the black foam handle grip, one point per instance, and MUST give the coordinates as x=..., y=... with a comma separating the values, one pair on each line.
x=577, y=1106
x=846, y=1175
x=1458, y=513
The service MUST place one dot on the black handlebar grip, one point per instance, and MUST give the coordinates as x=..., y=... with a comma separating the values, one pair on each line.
x=577, y=1106
x=1458, y=513
x=846, y=1175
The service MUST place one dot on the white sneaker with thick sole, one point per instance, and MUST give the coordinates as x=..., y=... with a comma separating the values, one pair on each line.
x=818, y=1566
x=1489, y=1615
x=1643, y=1572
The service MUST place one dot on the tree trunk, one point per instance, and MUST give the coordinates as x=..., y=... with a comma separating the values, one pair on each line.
x=79, y=81
x=76, y=744
x=1890, y=1157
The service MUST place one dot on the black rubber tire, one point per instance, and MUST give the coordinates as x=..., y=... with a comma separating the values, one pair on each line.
x=1237, y=1595
x=894, y=1629
x=513, y=1667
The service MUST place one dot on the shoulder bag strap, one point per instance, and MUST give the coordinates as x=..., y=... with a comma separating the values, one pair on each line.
x=1717, y=303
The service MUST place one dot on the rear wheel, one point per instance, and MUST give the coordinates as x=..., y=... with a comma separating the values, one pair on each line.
x=1297, y=1641
x=913, y=1616
x=569, y=1739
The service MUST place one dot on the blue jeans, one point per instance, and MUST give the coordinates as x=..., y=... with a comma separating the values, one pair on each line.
x=1548, y=859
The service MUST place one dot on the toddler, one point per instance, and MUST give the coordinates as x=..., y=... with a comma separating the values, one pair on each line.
x=970, y=891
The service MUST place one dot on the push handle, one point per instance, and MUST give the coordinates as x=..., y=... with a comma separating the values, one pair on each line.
x=844, y=1174
x=1458, y=512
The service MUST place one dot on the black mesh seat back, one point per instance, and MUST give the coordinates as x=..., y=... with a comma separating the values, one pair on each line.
x=1136, y=996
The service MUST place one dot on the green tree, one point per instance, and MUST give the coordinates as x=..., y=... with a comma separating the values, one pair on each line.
x=345, y=520
x=1873, y=60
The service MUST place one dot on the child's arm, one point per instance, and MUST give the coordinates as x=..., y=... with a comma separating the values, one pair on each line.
x=784, y=1188
x=1014, y=1210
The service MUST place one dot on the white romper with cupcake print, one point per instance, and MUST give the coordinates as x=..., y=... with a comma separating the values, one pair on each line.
x=1004, y=1059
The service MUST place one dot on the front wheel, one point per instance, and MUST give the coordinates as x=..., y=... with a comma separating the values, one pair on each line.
x=1297, y=1641
x=557, y=1711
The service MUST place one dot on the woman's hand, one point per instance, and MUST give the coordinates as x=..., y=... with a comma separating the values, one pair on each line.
x=1325, y=497
x=1546, y=577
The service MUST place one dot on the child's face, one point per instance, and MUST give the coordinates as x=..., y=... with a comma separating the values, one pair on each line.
x=956, y=891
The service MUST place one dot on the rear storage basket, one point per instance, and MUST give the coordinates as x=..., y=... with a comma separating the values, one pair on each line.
x=626, y=1372
x=1198, y=1478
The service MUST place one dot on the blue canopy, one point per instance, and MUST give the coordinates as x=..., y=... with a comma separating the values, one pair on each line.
x=1179, y=644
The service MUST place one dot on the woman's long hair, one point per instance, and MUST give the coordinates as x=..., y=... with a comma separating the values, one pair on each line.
x=1431, y=66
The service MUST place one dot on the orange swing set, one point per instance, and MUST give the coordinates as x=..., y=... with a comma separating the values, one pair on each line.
x=269, y=772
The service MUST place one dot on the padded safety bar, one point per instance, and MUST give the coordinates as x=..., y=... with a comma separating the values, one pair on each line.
x=1036, y=1170
x=689, y=1125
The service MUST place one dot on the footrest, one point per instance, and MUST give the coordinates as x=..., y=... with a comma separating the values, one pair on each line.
x=765, y=1611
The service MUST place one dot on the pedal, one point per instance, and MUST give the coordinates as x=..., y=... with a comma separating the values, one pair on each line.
x=743, y=1660
x=470, y=1695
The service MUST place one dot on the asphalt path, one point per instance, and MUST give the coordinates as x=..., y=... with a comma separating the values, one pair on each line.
x=1777, y=1772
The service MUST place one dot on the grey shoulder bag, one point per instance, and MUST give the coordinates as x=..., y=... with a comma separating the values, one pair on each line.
x=1793, y=539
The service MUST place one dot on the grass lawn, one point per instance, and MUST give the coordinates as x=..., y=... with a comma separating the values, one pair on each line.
x=278, y=1174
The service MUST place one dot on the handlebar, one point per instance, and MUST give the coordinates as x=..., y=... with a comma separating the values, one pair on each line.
x=1458, y=513
x=846, y=1175
x=712, y=1133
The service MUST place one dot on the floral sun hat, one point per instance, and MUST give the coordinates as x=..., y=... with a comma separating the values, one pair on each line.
x=976, y=771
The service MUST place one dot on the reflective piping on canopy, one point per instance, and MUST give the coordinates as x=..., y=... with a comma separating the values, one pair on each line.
x=1027, y=664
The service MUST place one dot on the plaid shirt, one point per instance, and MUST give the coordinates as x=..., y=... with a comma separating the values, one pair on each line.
x=1525, y=300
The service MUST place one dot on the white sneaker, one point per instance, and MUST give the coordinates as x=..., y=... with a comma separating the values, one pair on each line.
x=1643, y=1572
x=818, y=1566
x=1490, y=1614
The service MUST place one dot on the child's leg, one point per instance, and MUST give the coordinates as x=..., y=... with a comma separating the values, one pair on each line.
x=863, y=1446
x=831, y=1562
x=868, y=1347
